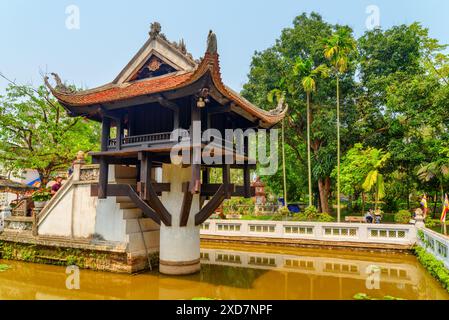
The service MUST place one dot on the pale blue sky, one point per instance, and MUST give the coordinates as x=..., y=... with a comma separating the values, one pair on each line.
x=34, y=36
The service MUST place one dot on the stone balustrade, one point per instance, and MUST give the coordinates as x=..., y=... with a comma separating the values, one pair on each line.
x=394, y=234
x=435, y=243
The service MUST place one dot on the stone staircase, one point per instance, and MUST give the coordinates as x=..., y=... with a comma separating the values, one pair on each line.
x=137, y=227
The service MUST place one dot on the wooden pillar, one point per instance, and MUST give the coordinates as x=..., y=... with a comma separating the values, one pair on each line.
x=246, y=172
x=145, y=174
x=175, y=119
x=195, y=182
x=119, y=133
x=105, y=132
x=227, y=180
x=103, y=179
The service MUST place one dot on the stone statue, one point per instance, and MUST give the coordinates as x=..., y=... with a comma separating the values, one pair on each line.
x=155, y=30
x=211, y=43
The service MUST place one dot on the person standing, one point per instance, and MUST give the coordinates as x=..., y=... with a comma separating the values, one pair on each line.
x=424, y=205
x=56, y=186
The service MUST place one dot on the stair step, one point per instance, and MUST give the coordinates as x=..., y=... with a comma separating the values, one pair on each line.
x=123, y=199
x=127, y=205
x=132, y=213
x=136, y=244
x=146, y=224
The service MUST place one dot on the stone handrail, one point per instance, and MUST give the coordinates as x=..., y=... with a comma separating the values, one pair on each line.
x=404, y=235
x=55, y=199
x=435, y=243
x=81, y=173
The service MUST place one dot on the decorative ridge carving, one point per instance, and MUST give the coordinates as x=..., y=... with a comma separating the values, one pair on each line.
x=60, y=86
x=211, y=43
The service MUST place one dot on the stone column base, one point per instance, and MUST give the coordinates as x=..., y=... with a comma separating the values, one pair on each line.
x=179, y=267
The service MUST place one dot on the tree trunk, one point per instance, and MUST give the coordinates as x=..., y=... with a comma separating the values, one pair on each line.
x=309, y=162
x=324, y=189
x=338, y=150
x=363, y=202
x=44, y=177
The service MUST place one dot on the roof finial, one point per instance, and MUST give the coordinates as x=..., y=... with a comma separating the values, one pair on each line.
x=211, y=43
x=60, y=86
x=155, y=30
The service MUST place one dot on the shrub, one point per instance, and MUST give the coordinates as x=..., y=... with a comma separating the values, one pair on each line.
x=277, y=217
x=434, y=266
x=283, y=211
x=325, y=217
x=402, y=216
x=431, y=223
x=309, y=214
x=41, y=195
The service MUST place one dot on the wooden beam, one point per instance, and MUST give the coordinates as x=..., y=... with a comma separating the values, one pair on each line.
x=186, y=206
x=167, y=103
x=217, y=110
x=211, y=206
x=157, y=205
x=125, y=190
x=103, y=179
x=208, y=190
x=113, y=160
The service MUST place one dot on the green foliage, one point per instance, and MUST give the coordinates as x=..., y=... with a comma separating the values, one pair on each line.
x=403, y=216
x=312, y=214
x=435, y=267
x=431, y=223
x=283, y=211
x=41, y=195
x=325, y=217
x=4, y=267
x=364, y=296
x=238, y=205
x=36, y=132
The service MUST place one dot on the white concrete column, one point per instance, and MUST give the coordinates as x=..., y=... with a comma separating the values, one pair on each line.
x=179, y=246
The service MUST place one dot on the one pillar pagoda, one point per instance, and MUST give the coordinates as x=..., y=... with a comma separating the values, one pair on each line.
x=162, y=89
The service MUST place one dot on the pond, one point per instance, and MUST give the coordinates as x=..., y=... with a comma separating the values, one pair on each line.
x=240, y=272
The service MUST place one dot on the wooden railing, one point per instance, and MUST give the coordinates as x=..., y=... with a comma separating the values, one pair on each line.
x=153, y=138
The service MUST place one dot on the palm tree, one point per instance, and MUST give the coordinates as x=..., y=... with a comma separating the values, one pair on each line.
x=374, y=179
x=438, y=169
x=309, y=74
x=337, y=49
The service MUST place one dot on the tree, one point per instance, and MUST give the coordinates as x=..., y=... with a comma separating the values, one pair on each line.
x=272, y=69
x=360, y=171
x=308, y=75
x=337, y=49
x=374, y=179
x=36, y=133
x=438, y=170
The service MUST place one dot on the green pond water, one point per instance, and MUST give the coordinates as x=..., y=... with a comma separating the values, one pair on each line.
x=239, y=272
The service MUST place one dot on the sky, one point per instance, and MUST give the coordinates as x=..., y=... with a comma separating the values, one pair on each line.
x=39, y=36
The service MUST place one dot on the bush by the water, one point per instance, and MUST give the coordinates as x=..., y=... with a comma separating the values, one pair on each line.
x=434, y=266
x=311, y=214
x=325, y=217
x=402, y=216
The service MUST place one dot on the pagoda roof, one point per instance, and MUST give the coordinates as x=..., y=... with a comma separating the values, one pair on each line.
x=186, y=72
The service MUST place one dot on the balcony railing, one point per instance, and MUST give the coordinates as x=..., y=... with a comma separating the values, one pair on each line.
x=146, y=139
